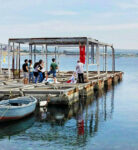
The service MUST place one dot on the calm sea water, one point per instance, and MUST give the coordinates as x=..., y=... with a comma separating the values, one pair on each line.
x=108, y=120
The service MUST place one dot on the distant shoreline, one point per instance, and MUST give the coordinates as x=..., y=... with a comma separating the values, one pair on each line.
x=77, y=54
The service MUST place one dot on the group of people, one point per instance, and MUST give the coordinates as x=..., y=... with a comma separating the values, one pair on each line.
x=37, y=72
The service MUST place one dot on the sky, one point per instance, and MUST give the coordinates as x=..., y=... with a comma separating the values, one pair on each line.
x=110, y=21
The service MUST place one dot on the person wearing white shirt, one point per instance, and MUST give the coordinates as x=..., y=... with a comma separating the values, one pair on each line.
x=79, y=70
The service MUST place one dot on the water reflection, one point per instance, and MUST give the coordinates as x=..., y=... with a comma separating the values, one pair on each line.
x=15, y=127
x=72, y=126
x=89, y=113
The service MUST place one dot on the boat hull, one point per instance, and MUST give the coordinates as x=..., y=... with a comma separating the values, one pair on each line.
x=15, y=113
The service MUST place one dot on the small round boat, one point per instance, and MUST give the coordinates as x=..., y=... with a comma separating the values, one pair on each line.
x=17, y=108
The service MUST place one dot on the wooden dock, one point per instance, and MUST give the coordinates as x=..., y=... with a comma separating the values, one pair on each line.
x=61, y=93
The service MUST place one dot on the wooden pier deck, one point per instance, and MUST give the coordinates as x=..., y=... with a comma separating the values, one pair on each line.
x=61, y=93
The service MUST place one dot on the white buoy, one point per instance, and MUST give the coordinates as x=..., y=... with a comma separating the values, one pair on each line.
x=42, y=103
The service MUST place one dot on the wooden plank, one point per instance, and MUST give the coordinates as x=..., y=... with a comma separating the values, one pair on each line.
x=43, y=91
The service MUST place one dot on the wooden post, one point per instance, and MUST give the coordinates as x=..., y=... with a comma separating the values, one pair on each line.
x=87, y=60
x=113, y=59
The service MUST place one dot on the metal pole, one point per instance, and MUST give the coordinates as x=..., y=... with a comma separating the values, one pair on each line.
x=13, y=60
x=1, y=56
x=18, y=56
x=98, y=60
x=106, y=59
x=1, y=59
x=87, y=59
x=9, y=58
x=103, y=59
x=34, y=53
x=55, y=52
x=19, y=60
x=113, y=59
x=42, y=52
x=29, y=51
x=92, y=53
x=58, y=57
x=46, y=60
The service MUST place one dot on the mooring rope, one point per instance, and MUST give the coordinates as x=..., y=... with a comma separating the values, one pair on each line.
x=1, y=116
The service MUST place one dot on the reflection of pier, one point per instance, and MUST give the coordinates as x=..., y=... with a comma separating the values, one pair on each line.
x=14, y=128
x=90, y=114
x=74, y=124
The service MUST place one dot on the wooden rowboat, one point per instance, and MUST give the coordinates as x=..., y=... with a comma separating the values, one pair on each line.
x=17, y=108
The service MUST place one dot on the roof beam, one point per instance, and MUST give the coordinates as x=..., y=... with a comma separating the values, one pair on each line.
x=58, y=41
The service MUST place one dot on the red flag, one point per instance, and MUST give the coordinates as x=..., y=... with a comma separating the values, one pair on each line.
x=82, y=54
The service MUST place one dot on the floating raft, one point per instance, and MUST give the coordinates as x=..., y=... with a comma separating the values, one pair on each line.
x=61, y=93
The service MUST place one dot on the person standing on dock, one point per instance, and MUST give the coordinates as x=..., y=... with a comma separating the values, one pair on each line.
x=25, y=71
x=43, y=71
x=40, y=69
x=79, y=70
x=31, y=75
x=36, y=65
x=53, y=68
